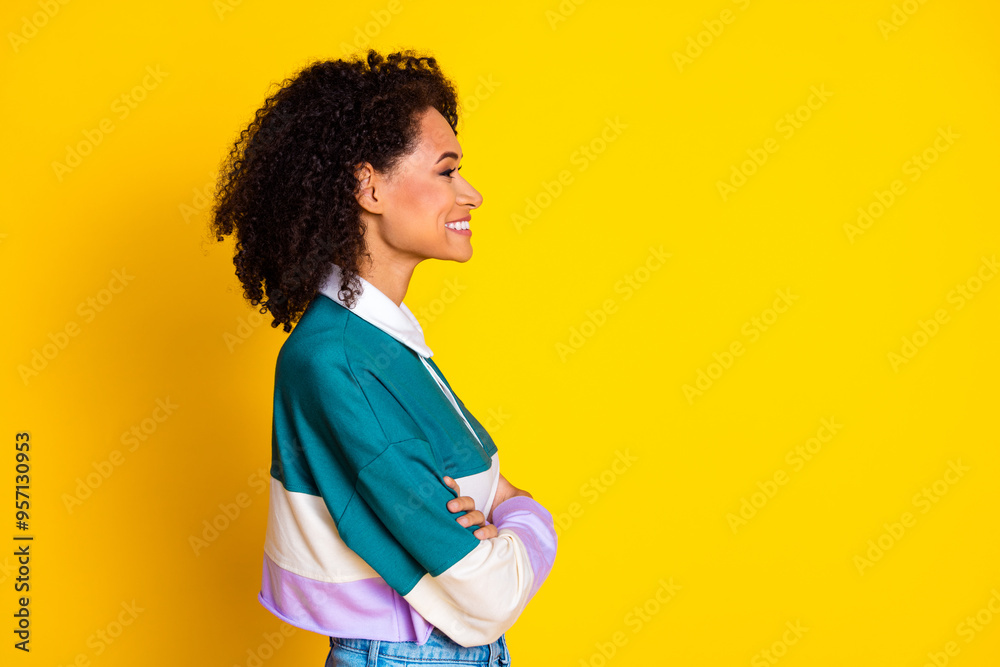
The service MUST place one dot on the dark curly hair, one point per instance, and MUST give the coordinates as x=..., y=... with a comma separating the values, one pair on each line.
x=287, y=188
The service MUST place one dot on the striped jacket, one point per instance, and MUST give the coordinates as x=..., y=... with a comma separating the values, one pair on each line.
x=359, y=541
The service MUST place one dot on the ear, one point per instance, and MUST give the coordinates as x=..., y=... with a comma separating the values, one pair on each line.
x=369, y=188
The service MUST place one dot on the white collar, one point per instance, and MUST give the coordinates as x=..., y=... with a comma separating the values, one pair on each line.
x=375, y=307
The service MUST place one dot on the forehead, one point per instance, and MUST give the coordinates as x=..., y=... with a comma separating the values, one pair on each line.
x=436, y=136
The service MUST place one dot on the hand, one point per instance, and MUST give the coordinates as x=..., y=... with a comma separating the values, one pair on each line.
x=505, y=491
x=472, y=517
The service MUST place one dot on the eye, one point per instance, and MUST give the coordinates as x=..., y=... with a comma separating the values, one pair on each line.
x=449, y=172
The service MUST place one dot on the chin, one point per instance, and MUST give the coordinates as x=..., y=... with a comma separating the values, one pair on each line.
x=460, y=256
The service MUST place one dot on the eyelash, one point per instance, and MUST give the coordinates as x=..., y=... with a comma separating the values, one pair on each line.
x=448, y=173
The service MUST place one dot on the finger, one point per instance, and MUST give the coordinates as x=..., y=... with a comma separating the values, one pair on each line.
x=472, y=518
x=487, y=532
x=461, y=503
x=452, y=483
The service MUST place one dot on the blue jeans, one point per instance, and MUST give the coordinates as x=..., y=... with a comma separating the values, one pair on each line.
x=439, y=650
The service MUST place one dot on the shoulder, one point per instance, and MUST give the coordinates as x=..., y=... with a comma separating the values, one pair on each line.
x=329, y=338
x=335, y=362
x=314, y=343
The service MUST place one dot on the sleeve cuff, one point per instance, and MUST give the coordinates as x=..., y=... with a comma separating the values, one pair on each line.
x=518, y=503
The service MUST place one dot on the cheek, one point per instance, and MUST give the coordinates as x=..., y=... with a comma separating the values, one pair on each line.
x=421, y=208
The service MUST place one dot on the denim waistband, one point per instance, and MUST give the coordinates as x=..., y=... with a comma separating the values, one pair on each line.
x=439, y=650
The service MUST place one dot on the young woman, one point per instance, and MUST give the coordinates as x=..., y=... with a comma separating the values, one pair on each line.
x=346, y=179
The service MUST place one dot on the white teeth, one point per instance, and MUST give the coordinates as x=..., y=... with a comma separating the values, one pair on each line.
x=464, y=224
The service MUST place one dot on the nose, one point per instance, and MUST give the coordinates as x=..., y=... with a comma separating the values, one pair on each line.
x=469, y=196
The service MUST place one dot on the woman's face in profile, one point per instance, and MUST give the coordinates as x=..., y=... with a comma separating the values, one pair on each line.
x=420, y=202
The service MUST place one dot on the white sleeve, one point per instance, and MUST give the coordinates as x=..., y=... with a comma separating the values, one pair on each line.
x=478, y=598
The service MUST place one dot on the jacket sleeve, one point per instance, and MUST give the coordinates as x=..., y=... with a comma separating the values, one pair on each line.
x=397, y=519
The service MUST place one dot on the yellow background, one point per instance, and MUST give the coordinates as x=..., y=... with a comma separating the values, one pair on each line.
x=558, y=74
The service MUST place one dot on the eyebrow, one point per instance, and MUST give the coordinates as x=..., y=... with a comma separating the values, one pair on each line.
x=447, y=154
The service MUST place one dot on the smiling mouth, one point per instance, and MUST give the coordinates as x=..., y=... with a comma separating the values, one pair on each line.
x=459, y=227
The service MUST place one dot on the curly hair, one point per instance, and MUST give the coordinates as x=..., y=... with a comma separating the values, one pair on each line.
x=287, y=187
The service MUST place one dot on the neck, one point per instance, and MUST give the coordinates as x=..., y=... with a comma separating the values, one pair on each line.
x=390, y=278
